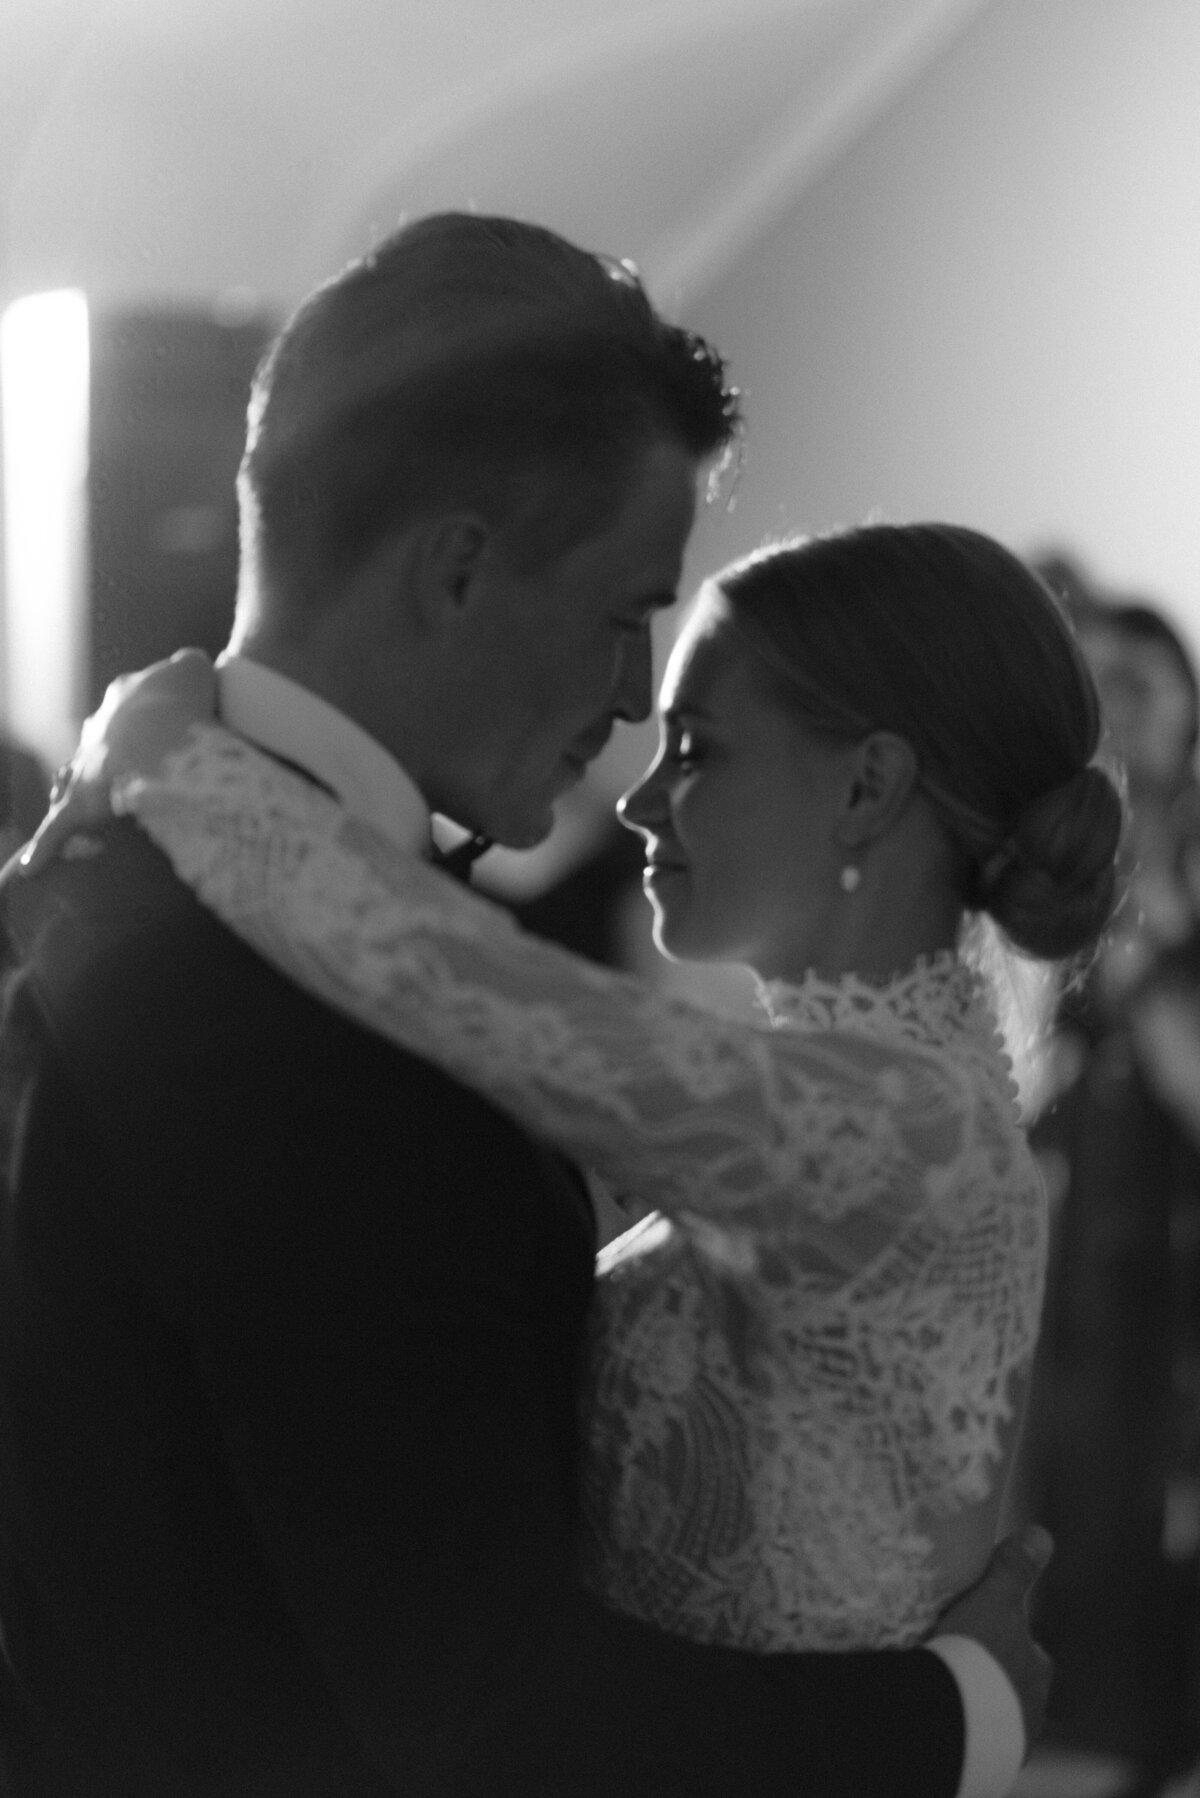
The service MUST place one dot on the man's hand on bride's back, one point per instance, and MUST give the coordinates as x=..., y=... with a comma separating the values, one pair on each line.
x=995, y=1613
x=140, y=720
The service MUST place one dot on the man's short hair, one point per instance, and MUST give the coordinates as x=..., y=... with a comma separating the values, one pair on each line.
x=469, y=362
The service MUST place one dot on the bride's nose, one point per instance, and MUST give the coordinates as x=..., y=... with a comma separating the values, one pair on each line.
x=644, y=806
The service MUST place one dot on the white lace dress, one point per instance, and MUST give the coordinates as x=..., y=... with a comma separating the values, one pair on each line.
x=807, y=1363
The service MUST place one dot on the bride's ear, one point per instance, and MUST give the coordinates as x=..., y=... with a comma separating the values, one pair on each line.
x=881, y=784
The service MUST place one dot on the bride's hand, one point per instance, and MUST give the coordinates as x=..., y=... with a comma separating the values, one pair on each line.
x=140, y=720
x=994, y=1612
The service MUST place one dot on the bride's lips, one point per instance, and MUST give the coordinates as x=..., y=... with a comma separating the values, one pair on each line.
x=659, y=868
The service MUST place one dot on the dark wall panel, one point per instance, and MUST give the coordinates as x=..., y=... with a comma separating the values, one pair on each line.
x=168, y=407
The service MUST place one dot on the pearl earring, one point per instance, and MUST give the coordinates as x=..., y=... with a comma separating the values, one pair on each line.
x=850, y=878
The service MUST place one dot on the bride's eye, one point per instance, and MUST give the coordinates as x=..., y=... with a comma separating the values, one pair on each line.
x=687, y=751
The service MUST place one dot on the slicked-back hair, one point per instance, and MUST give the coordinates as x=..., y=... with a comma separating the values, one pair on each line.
x=468, y=363
x=942, y=635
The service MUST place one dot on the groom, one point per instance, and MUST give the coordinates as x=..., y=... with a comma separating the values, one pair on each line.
x=290, y=1323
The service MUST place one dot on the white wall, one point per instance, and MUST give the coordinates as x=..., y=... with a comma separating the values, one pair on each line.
x=989, y=309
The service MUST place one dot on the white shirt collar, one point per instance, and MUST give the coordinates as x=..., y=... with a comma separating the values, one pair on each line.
x=291, y=721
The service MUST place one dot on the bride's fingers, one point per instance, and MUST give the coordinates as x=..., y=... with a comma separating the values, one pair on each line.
x=184, y=684
x=79, y=806
x=1021, y=1557
x=185, y=680
x=145, y=716
x=142, y=717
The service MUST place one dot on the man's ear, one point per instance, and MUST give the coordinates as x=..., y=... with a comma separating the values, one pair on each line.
x=447, y=555
x=882, y=781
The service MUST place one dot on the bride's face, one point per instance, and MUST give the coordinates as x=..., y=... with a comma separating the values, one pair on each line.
x=740, y=813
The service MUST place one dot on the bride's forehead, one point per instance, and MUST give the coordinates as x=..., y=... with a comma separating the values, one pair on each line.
x=702, y=652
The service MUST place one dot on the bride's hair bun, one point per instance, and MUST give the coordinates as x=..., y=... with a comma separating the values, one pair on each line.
x=1052, y=887
x=944, y=637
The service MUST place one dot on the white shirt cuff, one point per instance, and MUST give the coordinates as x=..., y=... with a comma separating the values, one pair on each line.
x=995, y=1729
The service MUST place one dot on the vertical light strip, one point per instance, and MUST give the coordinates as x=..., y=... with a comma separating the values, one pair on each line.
x=44, y=377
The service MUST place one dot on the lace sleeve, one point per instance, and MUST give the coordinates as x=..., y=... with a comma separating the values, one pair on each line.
x=689, y=1110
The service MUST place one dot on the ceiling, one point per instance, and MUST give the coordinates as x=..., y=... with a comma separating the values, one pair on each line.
x=155, y=148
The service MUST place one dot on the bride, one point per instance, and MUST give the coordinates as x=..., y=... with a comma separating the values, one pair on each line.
x=808, y=1360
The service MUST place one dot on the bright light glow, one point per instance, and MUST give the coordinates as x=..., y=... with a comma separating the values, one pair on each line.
x=44, y=377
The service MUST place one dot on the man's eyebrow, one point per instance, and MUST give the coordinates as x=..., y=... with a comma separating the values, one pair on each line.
x=657, y=602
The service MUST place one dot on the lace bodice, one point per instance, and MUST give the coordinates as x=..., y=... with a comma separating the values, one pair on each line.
x=802, y=1372
x=787, y=1456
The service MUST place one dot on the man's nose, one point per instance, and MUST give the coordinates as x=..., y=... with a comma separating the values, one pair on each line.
x=635, y=680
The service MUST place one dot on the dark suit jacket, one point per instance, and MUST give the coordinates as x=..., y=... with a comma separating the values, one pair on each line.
x=289, y=1328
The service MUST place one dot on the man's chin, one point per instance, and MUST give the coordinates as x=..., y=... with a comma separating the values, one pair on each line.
x=525, y=833
x=524, y=823
x=521, y=825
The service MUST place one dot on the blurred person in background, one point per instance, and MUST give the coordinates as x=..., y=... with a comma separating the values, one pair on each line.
x=1113, y=1439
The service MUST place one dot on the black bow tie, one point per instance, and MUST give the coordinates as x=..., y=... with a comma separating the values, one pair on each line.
x=458, y=862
